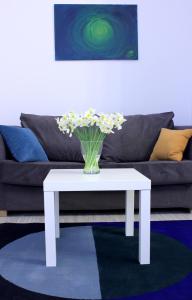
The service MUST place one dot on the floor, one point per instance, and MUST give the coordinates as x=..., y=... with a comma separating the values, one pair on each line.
x=81, y=218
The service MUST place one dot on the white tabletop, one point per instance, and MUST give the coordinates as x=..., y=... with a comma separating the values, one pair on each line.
x=107, y=180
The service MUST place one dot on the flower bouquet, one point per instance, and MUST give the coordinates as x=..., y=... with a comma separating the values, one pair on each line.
x=91, y=129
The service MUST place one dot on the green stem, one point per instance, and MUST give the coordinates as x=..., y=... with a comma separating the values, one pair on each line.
x=91, y=139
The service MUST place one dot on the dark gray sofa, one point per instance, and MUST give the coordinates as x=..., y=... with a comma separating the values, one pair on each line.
x=21, y=183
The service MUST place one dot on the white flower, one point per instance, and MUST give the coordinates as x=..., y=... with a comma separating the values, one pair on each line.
x=71, y=122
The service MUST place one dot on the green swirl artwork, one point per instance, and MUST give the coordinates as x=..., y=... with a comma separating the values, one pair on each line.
x=95, y=32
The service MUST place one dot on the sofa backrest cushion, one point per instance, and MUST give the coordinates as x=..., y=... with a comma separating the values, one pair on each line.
x=188, y=151
x=2, y=148
x=171, y=144
x=137, y=138
x=58, y=147
x=23, y=144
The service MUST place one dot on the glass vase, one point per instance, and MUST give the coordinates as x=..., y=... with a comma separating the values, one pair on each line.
x=91, y=152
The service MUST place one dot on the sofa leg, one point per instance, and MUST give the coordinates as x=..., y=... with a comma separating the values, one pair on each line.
x=3, y=213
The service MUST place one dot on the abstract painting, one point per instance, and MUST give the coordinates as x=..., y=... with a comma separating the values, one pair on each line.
x=95, y=32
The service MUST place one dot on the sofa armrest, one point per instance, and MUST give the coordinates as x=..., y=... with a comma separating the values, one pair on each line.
x=188, y=150
x=183, y=127
x=2, y=149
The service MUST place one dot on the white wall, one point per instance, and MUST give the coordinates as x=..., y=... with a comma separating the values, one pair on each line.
x=32, y=82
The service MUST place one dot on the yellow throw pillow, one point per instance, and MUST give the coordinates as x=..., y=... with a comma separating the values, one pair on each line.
x=171, y=144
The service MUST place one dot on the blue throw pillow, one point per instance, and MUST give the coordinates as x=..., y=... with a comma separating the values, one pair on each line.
x=23, y=144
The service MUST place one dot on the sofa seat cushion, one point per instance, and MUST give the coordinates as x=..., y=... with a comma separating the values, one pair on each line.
x=33, y=173
x=160, y=172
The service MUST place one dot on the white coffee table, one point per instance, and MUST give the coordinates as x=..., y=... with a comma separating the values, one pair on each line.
x=70, y=180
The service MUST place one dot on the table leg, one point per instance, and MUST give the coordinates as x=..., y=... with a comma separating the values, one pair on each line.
x=50, y=237
x=144, y=226
x=129, y=213
x=57, y=229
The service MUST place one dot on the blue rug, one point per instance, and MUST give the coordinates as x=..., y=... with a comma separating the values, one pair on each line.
x=96, y=261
